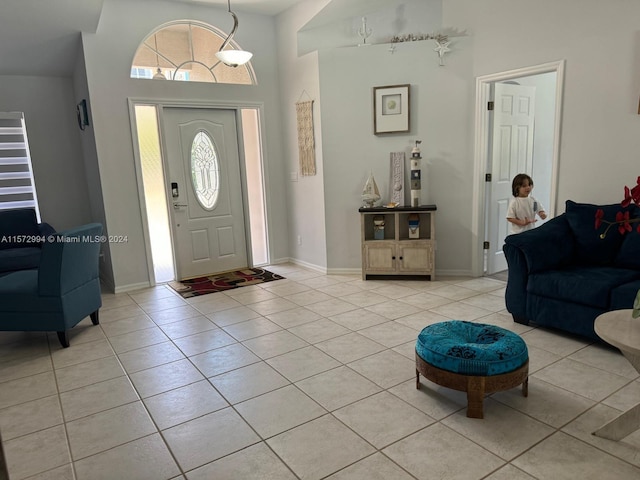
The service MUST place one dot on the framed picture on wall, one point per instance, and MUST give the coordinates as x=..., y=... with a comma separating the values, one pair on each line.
x=391, y=109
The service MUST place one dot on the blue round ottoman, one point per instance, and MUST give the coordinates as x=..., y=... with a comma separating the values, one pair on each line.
x=472, y=357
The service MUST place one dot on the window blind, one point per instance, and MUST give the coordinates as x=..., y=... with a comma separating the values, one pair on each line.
x=17, y=187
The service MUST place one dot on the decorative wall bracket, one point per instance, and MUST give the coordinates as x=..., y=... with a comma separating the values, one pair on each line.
x=442, y=40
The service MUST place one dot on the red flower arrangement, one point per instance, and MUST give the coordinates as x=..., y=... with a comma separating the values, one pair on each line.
x=624, y=225
x=622, y=219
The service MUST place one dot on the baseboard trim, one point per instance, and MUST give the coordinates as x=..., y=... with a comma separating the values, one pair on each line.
x=107, y=282
x=310, y=266
x=358, y=270
x=344, y=271
x=131, y=287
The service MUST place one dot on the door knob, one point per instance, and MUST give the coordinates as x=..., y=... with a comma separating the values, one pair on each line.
x=178, y=205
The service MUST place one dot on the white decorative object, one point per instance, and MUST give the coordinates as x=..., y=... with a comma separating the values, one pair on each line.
x=370, y=193
x=364, y=32
x=396, y=178
x=441, y=49
x=416, y=179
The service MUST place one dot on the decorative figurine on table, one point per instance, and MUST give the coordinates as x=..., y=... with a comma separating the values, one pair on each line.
x=415, y=175
x=396, y=178
x=370, y=193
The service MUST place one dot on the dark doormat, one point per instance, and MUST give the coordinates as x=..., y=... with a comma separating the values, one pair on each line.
x=224, y=281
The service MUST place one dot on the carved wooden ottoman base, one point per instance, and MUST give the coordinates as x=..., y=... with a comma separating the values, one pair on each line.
x=476, y=386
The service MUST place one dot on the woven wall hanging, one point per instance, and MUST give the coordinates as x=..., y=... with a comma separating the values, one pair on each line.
x=306, y=142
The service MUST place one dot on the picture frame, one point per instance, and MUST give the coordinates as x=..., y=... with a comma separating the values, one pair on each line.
x=391, y=109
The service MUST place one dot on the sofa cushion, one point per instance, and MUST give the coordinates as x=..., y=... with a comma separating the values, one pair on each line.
x=583, y=285
x=12, y=259
x=590, y=249
x=19, y=293
x=17, y=223
x=629, y=252
x=622, y=297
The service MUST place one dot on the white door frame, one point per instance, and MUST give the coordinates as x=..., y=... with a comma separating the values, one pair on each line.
x=160, y=106
x=481, y=149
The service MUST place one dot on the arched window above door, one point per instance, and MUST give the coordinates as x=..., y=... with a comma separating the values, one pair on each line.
x=185, y=51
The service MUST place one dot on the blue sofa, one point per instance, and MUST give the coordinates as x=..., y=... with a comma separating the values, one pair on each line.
x=61, y=292
x=563, y=275
x=21, y=239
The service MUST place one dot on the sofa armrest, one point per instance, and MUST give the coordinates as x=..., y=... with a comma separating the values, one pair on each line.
x=46, y=229
x=70, y=261
x=544, y=248
x=547, y=247
x=516, y=292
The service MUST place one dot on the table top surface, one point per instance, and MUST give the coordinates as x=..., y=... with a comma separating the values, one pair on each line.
x=402, y=208
x=620, y=329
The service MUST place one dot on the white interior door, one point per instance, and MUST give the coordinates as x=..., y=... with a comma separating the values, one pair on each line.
x=512, y=153
x=207, y=212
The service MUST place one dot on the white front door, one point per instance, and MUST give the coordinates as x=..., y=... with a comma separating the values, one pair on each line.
x=512, y=153
x=207, y=213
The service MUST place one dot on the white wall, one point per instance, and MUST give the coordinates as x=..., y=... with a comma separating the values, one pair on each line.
x=440, y=102
x=299, y=80
x=599, y=141
x=92, y=172
x=108, y=55
x=440, y=99
x=601, y=45
x=599, y=145
x=49, y=108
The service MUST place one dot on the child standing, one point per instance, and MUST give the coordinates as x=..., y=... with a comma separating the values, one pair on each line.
x=523, y=208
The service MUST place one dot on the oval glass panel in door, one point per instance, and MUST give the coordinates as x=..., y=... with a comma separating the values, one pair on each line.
x=205, y=170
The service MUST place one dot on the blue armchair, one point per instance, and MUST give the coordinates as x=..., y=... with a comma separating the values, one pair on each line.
x=61, y=292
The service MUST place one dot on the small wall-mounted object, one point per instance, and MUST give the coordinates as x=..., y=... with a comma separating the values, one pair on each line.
x=83, y=115
x=364, y=33
x=442, y=47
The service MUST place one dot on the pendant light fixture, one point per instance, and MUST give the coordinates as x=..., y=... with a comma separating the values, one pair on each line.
x=159, y=75
x=232, y=58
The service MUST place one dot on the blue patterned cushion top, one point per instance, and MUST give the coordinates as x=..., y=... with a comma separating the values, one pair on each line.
x=471, y=348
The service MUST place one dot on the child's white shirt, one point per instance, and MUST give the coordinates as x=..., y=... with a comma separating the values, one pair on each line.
x=521, y=208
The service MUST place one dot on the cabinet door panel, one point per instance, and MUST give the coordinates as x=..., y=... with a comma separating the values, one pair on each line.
x=415, y=257
x=380, y=257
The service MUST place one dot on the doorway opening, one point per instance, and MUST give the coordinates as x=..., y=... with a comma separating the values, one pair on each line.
x=536, y=154
x=156, y=196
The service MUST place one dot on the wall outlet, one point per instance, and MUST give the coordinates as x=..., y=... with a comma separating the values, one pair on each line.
x=299, y=240
x=293, y=176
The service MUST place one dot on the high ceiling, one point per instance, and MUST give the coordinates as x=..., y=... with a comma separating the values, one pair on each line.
x=42, y=37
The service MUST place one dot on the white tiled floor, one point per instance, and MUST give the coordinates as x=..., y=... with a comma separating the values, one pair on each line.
x=309, y=377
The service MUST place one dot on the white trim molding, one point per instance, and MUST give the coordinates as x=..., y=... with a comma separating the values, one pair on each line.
x=482, y=124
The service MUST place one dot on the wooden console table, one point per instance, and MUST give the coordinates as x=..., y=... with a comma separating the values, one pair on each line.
x=398, y=248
